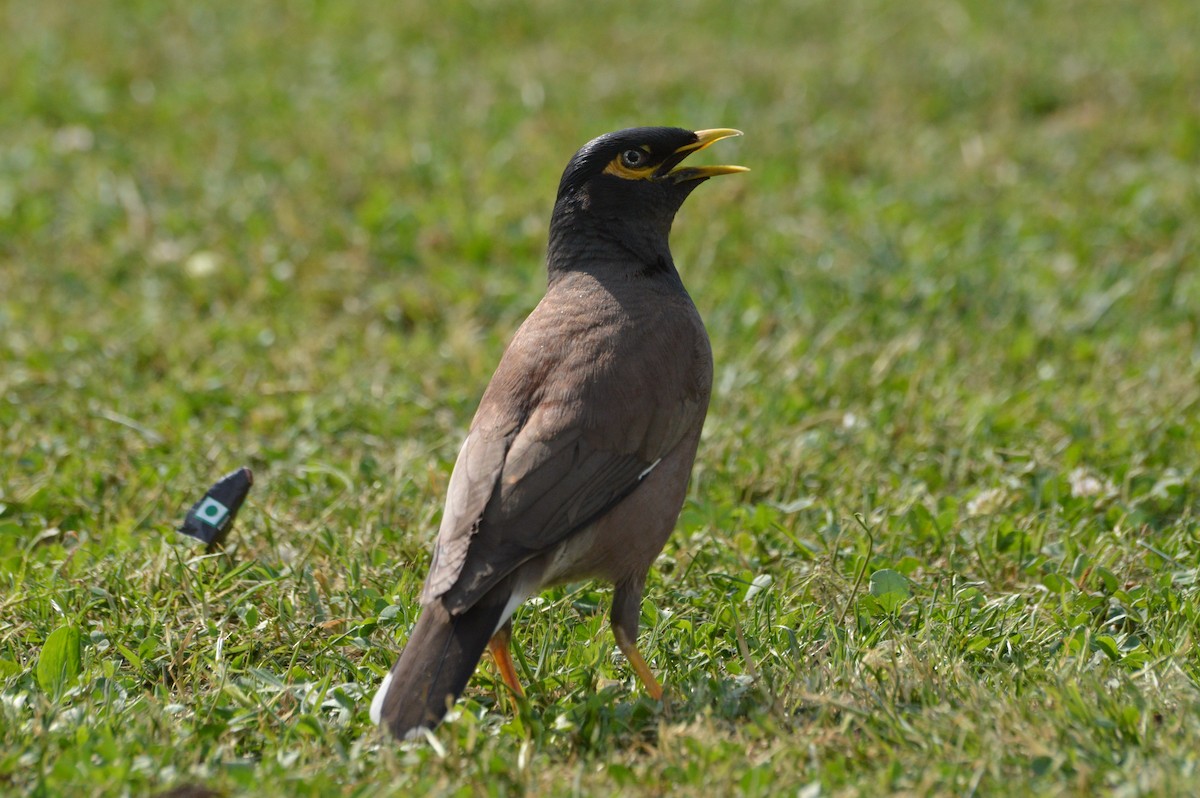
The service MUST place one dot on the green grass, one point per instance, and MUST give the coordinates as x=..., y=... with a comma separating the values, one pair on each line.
x=954, y=311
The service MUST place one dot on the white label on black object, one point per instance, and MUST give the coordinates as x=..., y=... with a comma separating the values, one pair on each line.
x=211, y=511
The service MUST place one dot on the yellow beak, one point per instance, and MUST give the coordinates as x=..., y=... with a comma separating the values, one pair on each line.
x=703, y=139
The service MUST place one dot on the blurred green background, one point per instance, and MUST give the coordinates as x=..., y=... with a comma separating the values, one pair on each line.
x=954, y=314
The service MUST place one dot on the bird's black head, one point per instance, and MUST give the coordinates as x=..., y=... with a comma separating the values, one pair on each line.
x=622, y=190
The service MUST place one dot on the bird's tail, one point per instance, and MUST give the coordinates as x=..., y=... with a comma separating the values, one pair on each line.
x=435, y=665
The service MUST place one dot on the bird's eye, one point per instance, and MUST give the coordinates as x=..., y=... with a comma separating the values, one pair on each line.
x=634, y=158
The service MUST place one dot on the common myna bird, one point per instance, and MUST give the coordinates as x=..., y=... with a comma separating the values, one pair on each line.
x=577, y=461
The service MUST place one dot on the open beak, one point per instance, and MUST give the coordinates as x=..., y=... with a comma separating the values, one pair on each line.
x=685, y=173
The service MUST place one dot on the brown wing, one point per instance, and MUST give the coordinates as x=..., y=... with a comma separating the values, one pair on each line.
x=573, y=419
x=471, y=484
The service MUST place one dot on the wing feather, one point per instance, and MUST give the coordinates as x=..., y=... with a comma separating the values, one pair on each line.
x=570, y=424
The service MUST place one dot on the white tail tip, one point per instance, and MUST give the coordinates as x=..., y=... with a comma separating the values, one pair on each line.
x=380, y=695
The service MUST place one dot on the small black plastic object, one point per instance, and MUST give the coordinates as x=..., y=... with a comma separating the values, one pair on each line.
x=211, y=518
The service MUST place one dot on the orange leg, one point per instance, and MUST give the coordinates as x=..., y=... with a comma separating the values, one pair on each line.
x=629, y=648
x=498, y=645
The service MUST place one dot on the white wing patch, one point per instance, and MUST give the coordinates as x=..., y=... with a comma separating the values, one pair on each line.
x=649, y=468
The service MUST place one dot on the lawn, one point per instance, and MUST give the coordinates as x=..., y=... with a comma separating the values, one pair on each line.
x=943, y=535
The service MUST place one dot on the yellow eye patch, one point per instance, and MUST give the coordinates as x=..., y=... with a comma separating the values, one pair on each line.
x=632, y=164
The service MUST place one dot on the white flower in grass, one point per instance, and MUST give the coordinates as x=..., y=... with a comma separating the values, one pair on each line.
x=202, y=264
x=988, y=502
x=1085, y=484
